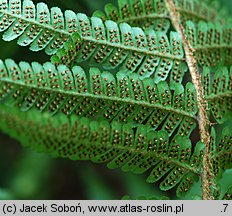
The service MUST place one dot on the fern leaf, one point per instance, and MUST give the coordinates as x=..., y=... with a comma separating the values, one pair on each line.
x=130, y=112
x=218, y=92
x=153, y=13
x=148, y=14
x=222, y=154
x=212, y=43
x=35, y=25
x=124, y=99
x=118, y=144
x=148, y=53
x=143, y=117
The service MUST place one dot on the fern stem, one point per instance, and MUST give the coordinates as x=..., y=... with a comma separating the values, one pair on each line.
x=203, y=121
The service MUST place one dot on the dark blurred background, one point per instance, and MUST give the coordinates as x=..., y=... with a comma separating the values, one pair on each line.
x=25, y=174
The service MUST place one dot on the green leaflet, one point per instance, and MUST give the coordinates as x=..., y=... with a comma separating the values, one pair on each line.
x=80, y=139
x=127, y=111
x=212, y=42
x=157, y=57
x=147, y=53
x=40, y=28
x=98, y=96
x=153, y=13
x=34, y=26
x=222, y=154
x=221, y=151
x=147, y=14
x=218, y=92
x=197, y=10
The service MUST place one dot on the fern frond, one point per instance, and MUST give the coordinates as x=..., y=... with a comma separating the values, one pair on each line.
x=124, y=99
x=218, y=92
x=147, y=14
x=35, y=26
x=153, y=13
x=221, y=151
x=149, y=52
x=197, y=10
x=212, y=42
x=143, y=117
x=125, y=105
x=121, y=145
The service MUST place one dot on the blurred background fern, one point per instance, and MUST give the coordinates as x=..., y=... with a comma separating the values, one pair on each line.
x=28, y=175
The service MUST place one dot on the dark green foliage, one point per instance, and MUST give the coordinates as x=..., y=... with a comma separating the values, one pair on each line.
x=137, y=109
